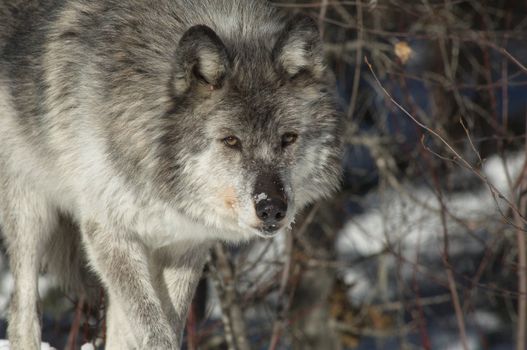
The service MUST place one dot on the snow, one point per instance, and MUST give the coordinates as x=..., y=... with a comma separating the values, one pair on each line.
x=6, y=286
x=446, y=342
x=362, y=287
x=494, y=169
x=410, y=218
x=410, y=222
x=4, y=345
x=487, y=321
x=260, y=197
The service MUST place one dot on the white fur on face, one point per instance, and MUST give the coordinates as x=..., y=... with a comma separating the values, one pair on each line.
x=227, y=195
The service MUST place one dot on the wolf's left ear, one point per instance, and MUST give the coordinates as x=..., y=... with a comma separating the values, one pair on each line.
x=201, y=57
x=299, y=48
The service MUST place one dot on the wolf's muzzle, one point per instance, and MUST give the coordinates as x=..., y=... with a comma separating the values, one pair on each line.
x=270, y=201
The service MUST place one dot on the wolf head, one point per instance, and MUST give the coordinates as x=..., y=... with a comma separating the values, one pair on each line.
x=253, y=134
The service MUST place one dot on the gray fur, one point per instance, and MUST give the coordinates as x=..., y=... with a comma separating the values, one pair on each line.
x=113, y=121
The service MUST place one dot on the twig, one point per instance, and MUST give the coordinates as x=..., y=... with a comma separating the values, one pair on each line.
x=71, y=343
x=505, y=53
x=493, y=190
x=322, y=16
x=283, y=306
x=522, y=282
x=522, y=266
x=357, y=72
x=286, y=298
x=450, y=275
x=467, y=132
x=374, y=333
x=457, y=307
x=232, y=315
x=192, y=343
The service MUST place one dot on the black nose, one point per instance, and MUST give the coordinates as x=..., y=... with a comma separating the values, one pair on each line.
x=270, y=200
x=271, y=211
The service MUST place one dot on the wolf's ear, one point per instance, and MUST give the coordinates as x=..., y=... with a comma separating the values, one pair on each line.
x=202, y=57
x=299, y=48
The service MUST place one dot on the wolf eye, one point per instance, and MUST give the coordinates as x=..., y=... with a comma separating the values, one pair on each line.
x=232, y=141
x=288, y=139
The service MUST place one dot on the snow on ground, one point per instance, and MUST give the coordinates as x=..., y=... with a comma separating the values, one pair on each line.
x=409, y=222
x=6, y=286
x=4, y=345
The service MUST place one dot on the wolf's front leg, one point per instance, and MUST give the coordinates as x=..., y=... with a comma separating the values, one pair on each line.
x=27, y=222
x=176, y=277
x=122, y=262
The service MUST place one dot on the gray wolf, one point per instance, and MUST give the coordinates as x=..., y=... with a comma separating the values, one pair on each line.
x=135, y=133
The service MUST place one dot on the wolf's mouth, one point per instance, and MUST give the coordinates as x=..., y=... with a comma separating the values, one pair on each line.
x=267, y=234
x=268, y=231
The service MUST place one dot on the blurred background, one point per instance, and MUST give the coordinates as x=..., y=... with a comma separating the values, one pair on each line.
x=424, y=247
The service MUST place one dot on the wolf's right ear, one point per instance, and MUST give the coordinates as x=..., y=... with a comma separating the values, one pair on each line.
x=200, y=56
x=299, y=48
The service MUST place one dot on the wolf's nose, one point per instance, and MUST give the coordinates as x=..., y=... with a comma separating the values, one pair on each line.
x=271, y=211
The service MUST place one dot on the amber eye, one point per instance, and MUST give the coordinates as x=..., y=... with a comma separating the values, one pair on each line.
x=288, y=139
x=232, y=141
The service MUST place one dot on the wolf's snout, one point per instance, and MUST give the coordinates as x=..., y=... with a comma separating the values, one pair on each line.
x=270, y=201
